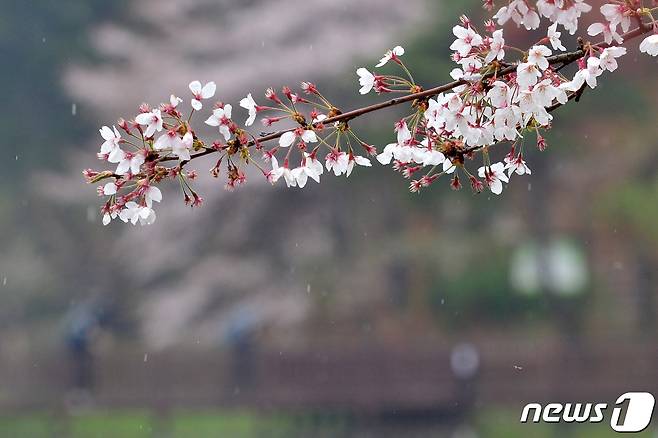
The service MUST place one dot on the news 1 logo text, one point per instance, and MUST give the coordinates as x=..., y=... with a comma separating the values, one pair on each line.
x=631, y=412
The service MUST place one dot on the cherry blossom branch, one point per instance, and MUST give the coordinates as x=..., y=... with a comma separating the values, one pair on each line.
x=490, y=101
x=564, y=58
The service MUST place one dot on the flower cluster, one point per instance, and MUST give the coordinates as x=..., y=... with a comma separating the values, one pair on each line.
x=492, y=100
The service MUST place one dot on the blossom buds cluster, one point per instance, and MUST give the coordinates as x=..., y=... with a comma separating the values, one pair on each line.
x=492, y=100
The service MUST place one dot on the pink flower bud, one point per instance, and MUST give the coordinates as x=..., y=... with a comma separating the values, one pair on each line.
x=455, y=184
x=309, y=88
x=476, y=184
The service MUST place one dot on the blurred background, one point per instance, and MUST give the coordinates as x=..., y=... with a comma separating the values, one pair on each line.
x=348, y=309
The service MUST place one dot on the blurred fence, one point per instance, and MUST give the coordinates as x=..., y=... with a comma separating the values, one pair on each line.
x=368, y=380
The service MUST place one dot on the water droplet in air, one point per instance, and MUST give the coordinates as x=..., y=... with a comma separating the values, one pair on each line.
x=74, y=109
x=91, y=214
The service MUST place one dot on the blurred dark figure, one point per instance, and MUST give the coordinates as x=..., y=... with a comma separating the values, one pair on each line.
x=84, y=322
x=241, y=340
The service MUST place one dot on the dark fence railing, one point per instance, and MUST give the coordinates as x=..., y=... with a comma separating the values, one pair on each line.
x=369, y=380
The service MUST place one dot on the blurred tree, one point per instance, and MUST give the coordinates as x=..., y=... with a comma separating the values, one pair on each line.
x=37, y=40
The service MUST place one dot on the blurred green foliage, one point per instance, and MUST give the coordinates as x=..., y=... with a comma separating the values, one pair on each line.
x=37, y=40
x=633, y=205
x=486, y=296
x=503, y=423
x=493, y=423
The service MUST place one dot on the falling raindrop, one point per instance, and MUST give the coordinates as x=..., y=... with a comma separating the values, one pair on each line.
x=43, y=40
x=91, y=213
x=74, y=109
x=146, y=357
x=308, y=288
x=4, y=280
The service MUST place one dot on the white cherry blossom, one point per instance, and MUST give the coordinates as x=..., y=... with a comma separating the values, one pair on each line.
x=152, y=194
x=386, y=155
x=554, y=37
x=249, y=104
x=519, y=12
x=174, y=101
x=338, y=162
x=499, y=94
x=505, y=122
x=497, y=47
x=134, y=213
x=366, y=80
x=608, y=59
x=470, y=70
x=289, y=137
x=130, y=162
x=110, y=189
x=277, y=172
x=361, y=161
x=167, y=140
x=200, y=93
x=537, y=56
x=107, y=217
x=527, y=75
x=402, y=130
x=544, y=93
x=516, y=164
x=182, y=148
x=111, y=145
x=311, y=168
x=587, y=75
x=448, y=167
x=608, y=31
x=222, y=117
x=171, y=141
x=428, y=156
x=396, y=52
x=617, y=14
x=152, y=120
x=494, y=176
x=650, y=45
x=466, y=40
